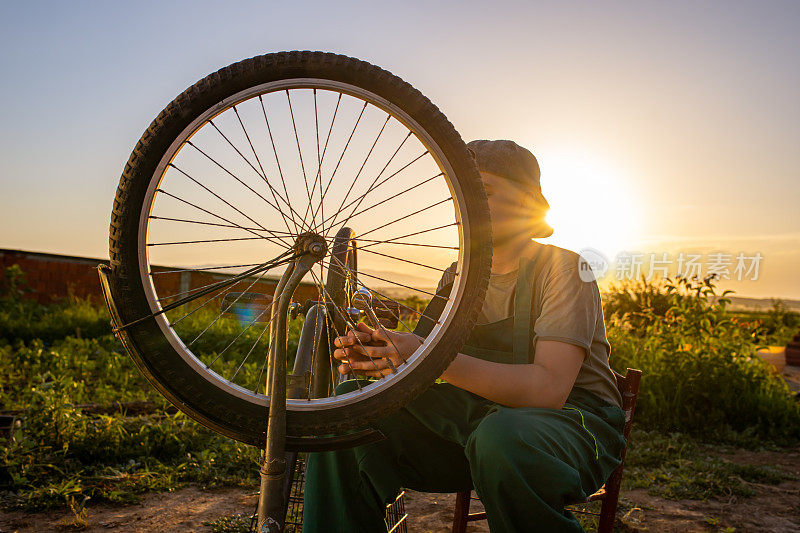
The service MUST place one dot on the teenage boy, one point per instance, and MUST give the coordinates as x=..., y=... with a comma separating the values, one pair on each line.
x=530, y=413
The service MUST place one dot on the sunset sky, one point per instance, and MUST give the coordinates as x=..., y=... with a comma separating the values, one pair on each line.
x=659, y=128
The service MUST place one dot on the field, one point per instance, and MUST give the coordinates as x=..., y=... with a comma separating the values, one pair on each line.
x=716, y=445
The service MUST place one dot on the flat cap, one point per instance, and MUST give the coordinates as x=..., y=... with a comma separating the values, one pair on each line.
x=507, y=159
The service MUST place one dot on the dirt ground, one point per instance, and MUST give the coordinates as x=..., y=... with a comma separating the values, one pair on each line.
x=773, y=509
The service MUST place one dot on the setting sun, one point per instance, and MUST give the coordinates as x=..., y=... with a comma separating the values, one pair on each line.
x=591, y=204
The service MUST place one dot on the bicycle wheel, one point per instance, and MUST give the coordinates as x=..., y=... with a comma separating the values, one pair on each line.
x=240, y=164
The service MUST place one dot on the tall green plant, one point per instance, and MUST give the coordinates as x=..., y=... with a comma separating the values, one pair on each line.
x=701, y=374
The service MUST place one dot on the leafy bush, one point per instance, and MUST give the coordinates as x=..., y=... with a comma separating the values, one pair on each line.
x=701, y=374
x=638, y=302
x=62, y=454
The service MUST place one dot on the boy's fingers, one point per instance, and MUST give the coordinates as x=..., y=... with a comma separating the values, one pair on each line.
x=370, y=365
x=344, y=354
x=372, y=351
x=352, y=338
x=344, y=369
x=365, y=369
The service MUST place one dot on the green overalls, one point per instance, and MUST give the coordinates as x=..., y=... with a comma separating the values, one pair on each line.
x=525, y=463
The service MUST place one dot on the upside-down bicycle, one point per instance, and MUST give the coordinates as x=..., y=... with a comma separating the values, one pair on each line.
x=331, y=172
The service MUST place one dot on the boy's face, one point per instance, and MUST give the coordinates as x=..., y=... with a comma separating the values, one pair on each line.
x=517, y=214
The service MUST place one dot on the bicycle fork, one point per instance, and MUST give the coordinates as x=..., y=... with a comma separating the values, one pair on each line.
x=271, y=505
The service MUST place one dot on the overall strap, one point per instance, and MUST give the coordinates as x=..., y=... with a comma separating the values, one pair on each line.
x=525, y=314
x=523, y=299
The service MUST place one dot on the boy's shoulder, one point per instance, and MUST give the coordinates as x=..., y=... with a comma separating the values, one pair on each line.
x=553, y=259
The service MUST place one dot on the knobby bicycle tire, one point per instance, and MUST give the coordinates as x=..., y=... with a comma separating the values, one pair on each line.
x=166, y=369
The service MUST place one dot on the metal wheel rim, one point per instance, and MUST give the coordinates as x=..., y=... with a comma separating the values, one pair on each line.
x=460, y=214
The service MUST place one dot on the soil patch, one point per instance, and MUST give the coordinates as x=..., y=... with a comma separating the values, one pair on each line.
x=183, y=510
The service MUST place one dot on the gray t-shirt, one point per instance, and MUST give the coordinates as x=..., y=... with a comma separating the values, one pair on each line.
x=567, y=309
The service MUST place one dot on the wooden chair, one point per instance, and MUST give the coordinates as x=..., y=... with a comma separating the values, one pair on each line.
x=608, y=494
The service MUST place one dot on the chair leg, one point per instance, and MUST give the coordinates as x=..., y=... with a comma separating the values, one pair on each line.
x=608, y=513
x=461, y=511
x=608, y=509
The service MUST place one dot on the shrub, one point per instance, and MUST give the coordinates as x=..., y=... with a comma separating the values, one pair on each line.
x=701, y=374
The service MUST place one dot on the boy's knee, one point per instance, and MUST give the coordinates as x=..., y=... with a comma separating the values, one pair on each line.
x=502, y=449
x=495, y=443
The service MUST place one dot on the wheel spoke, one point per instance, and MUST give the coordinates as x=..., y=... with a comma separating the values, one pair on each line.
x=263, y=172
x=406, y=217
x=207, y=290
x=266, y=360
x=393, y=240
x=395, y=196
x=374, y=188
x=280, y=170
x=235, y=226
x=204, y=241
x=234, y=176
x=357, y=340
x=262, y=267
x=201, y=269
x=251, y=350
x=387, y=280
x=244, y=330
x=416, y=311
x=334, y=372
x=372, y=185
x=341, y=156
x=222, y=312
x=401, y=259
x=371, y=149
x=208, y=301
x=215, y=195
x=333, y=323
x=277, y=240
x=319, y=168
x=316, y=339
x=300, y=153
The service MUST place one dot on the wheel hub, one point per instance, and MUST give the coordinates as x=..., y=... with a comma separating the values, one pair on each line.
x=313, y=244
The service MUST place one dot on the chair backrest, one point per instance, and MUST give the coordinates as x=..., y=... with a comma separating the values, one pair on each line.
x=628, y=386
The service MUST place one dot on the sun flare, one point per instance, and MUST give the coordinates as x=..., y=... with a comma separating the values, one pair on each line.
x=591, y=205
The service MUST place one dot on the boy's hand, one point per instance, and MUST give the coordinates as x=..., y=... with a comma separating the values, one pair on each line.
x=373, y=352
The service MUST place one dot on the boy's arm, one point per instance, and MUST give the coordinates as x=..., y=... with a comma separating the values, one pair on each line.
x=563, y=334
x=545, y=383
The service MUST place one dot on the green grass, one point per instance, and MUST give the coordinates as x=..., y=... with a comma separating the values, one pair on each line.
x=63, y=454
x=676, y=466
x=54, y=359
x=235, y=523
x=701, y=384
